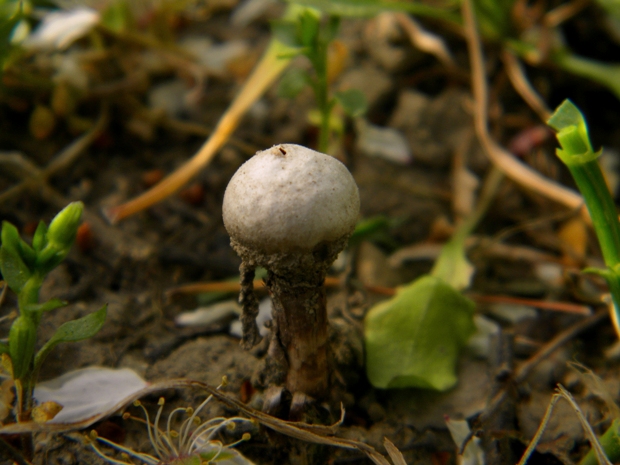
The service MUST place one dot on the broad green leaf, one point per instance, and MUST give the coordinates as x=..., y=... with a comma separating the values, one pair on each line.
x=352, y=101
x=293, y=82
x=73, y=331
x=452, y=265
x=414, y=338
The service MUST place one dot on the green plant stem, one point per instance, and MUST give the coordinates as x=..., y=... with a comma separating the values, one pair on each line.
x=591, y=183
x=29, y=295
x=610, y=442
x=319, y=61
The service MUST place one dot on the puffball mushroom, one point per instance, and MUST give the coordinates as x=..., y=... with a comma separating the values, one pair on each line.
x=291, y=210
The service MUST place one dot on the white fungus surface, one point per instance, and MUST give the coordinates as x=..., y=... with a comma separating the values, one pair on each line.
x=289, y=198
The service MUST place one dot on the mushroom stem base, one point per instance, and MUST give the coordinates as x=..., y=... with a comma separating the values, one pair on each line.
x=300, y=318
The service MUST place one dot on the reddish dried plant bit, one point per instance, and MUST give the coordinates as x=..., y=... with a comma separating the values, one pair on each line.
x=528, y=139
x=111, y=431
x=246, y=392
x=152, y=177
x=85, y=238
x=193, y=195
x=441, y=458
x=29, y=228
x=104, y=140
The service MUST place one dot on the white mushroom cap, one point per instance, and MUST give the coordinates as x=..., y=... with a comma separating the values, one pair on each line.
x=289, y=199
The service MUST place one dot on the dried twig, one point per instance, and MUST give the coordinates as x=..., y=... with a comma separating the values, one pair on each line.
x=265, y=73
x=500, y=157
x=519, y=81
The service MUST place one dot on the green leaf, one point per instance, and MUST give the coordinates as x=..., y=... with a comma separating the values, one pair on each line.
x=117, y=16
x=452, y=265
x=12, y=240
x=60, y=237
x=414, y=338
x=4, y=348
x=64, y=226
x=606, y=74
x=285, y=32
x=572, y=134
x=365, y=8
x=73, y=331
x=48, y=306
x=39, y=240
x=369, y=228
x=13, y=268
x=352, y=101
x=495, y=18
x=11, y=13
x=308, y=27
x=293, y=82
x=22, y=340
x=330, y=31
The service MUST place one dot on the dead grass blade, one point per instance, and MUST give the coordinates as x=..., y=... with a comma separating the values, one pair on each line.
x=264, y=74
x=562, y=393
x=500, y=157
x=522, y=85
x=393, y=452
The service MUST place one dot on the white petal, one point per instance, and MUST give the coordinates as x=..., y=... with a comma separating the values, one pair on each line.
x=60, y=29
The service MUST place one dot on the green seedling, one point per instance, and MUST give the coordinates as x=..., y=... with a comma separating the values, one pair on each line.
x=581, y=160
x=194, y=443
x=24, y=268
x=414, y=338
x=310, y=35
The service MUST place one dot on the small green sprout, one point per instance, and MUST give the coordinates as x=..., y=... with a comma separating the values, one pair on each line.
x=309, y=35
x=193, y=443
x=581, y=159
x=24, y=267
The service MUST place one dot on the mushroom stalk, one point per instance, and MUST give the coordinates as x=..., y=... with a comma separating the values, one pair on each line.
x=300, y=329
x=291, y=210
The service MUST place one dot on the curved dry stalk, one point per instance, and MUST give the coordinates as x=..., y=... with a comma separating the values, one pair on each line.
x=499, y=156
x=425, y=40
x=265, y=73
x=563, y=12
x=562, y=393
x=519, y=81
